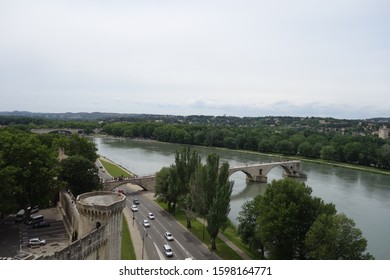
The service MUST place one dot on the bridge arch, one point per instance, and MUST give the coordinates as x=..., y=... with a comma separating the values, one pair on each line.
x=249, y=176
x=258, y=172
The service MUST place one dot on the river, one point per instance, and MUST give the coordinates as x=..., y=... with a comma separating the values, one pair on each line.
x=362, y=196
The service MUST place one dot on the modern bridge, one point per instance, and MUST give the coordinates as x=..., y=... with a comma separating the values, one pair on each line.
x=254, y=173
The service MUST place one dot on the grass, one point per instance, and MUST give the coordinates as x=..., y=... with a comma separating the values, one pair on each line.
x=113, y=169
x=223, y=250
x=231, y=233
x=127, y=252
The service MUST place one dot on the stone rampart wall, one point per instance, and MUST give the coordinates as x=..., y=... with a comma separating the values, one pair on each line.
x=70, y=215
x=84, y=248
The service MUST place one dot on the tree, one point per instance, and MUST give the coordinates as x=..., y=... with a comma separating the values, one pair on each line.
x=287, y=212
x=335, y=237
x=305, y=149
x=166, y=187
x=328, y=152
x=173, y=183
x=220, y=206
x=80, y=174
x=352, y=151
x=76, y=145
x=285, y=147
x=32, y=166
x=186, y=162
x=247, y=225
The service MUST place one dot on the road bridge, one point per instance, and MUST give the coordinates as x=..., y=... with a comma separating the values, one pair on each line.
x=146, y=182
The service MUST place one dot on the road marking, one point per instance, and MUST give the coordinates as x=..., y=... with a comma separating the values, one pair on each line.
x=160, y=255
x=184, y=249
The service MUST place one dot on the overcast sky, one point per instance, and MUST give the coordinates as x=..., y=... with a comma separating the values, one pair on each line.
x=210, y=57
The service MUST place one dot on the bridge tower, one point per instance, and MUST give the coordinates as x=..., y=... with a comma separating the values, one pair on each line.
x=102, y=209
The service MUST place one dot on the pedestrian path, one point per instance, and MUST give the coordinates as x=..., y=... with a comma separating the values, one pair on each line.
x=241, y=253
x=135, y=235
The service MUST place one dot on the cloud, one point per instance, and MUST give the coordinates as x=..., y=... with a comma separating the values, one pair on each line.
x=212, y=57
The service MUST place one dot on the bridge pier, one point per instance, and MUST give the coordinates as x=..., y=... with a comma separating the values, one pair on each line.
x=295, y=174
x=258, y=178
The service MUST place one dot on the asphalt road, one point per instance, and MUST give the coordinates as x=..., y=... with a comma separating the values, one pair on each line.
x=184, y=245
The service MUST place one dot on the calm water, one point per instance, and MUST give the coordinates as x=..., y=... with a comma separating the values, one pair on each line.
x=362, y=196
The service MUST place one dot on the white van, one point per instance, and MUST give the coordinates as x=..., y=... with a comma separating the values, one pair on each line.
x=35, y=219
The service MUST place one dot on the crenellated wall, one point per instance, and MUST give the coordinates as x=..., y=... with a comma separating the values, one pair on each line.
x=102, y=209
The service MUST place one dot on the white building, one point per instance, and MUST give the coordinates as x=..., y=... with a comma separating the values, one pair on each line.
x=384, y=132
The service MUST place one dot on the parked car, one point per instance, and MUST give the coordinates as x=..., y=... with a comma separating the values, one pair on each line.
x=33, y=210
x=34, y=220
x=36, y=242
x=43, y=224
x=167, y=251
x=134, y=208
x=20, y=216
x=146, y=223
x=151, y=216
x=168, y=236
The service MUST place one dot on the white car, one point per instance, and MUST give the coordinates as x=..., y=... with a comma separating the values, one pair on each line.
x=146, y=223
x=134, y=208
x=168, y=236
x=36, y=242
x=151, y=216
x=167, y=251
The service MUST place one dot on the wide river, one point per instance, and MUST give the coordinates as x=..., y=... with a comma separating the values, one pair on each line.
x=362, y=196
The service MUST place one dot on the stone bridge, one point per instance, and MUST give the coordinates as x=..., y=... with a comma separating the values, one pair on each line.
x=66, y=131
x=258, y=172
x=254, y=173
x=146, y=182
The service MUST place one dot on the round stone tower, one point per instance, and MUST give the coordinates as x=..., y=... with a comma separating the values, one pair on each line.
x=102, y=209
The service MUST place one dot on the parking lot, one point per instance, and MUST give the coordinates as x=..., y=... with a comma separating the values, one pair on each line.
x=15, y=236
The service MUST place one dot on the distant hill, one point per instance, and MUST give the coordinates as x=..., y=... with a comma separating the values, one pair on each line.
x=170, y=118
x=66, y=116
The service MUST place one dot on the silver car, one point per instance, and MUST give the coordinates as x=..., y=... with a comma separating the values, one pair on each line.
x=167, y=251
x=146, y=223
x=36, y=242
x=168, y=236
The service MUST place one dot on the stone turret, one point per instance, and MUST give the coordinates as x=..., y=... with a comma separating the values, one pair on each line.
x=102, y=209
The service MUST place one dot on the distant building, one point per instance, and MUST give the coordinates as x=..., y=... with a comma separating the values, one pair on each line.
x=384, y=132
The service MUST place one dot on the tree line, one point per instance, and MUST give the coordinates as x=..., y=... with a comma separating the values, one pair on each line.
x=366, y=150
x=32, y=174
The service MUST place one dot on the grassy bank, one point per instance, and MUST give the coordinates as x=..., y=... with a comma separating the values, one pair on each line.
x=113, y=169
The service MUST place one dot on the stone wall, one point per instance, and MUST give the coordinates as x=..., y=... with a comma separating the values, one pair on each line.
x=86, y=248
x=70, y=215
